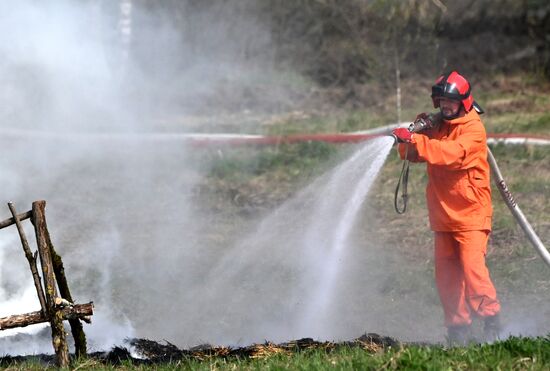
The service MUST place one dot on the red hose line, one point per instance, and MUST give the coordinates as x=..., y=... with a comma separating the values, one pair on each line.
x=286, y=139
x=224, y=139
x=237, y=140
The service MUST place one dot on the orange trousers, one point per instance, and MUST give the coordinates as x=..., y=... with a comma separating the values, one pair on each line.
x=462, y=278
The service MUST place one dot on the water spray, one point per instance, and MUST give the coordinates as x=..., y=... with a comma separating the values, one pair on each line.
x=431, y=120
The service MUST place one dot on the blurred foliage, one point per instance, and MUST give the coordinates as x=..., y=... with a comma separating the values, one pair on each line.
x=341, y=42
x=347, y=44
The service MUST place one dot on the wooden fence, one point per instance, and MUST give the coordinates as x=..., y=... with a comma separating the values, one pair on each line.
x=53, y=292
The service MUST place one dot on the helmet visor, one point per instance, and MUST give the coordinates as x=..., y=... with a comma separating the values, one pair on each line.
x=448, y=91
x=437, y=91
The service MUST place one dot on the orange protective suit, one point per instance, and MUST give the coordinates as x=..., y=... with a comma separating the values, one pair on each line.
x=459, y=203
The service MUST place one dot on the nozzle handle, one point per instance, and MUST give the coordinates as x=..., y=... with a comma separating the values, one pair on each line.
x=425, y=121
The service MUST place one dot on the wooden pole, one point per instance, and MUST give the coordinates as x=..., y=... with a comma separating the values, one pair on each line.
x=59, y=339
x=30, y=258
x=76, y=326
x=33, y=318
x=11, y=221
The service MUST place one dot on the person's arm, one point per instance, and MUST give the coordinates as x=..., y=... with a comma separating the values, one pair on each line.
x=412, y=153
x=456, y=154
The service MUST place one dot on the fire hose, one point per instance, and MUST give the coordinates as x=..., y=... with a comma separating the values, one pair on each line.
x=241, y=139
x=425, y=123
x=515, y=210
x=402, y=182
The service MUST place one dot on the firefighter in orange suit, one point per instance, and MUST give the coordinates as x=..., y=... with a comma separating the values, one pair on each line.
x=459, y=203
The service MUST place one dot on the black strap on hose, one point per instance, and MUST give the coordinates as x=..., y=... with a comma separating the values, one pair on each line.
x=403, y=180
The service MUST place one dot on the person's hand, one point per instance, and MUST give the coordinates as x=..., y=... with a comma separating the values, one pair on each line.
x=403, y=135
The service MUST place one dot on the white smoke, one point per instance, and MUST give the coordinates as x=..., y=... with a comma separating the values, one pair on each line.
x=118, y=206
x=121, y=207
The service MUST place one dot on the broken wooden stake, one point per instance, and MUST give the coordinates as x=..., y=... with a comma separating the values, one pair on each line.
x=34, y=318
x=55, y=308
x=30, y=258
x=59, y=339
x=76, y=327
x=11, y=221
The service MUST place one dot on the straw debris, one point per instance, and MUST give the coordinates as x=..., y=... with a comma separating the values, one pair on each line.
x=148, y=352
x=156, y=352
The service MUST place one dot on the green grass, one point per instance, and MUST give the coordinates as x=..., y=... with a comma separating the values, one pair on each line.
x=527, y=122
x=518, y=104
x=295, y=158
x=512, y=354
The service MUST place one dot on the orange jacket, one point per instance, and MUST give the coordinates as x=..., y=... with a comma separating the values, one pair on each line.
x=458, y=192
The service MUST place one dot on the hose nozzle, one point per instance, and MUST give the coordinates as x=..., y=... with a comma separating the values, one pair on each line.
x=396, y=139
x=424, y=122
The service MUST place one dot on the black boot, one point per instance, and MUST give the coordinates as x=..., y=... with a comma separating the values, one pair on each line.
x=459, y=335
x=492, y=328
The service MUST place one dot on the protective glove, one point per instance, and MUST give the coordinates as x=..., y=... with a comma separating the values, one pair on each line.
x=403, y=135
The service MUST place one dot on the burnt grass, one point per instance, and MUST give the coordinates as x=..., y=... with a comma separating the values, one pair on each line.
x=154, y=353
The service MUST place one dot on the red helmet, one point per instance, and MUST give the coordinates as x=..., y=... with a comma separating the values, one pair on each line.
x=454, y=86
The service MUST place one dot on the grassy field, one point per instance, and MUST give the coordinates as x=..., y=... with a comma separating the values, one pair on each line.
x=512, y=354
x=531, y=354
x=248, y=182
x=270, y=175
